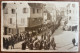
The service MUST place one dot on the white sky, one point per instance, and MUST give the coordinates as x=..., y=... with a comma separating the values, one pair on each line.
x=59, y=4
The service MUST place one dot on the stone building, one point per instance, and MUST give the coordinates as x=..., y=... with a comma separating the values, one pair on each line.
x=21, y=16
x=72, y=13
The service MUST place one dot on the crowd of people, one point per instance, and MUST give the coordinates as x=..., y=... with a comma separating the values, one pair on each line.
x=33, y=43
x=31, y=40
x=11, y=41
x=15, y=38
x=70, y=28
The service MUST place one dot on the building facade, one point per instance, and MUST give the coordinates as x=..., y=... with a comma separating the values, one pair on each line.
x=72, y=13
x=21, y=16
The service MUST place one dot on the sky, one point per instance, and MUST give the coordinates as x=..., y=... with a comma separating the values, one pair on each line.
x=61, y=4
x=58, y=4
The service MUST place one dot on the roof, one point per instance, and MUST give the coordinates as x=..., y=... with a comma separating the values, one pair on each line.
x=36, y=5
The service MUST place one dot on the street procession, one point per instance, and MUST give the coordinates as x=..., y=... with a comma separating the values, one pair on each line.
x=39, y=26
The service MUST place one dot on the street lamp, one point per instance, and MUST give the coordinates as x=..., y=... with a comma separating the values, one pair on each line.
x=16, y=24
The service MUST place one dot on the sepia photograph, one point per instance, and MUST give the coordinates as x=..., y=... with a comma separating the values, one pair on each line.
x=39, y=26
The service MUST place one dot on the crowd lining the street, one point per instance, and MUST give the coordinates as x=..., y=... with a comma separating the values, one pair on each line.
x=31, y=40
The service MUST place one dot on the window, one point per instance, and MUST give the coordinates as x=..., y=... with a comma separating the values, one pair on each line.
x=10, y=20
x=13, y=11
x=14, y=3
x=6, y=11
x=24, y=10
x=9, y=30
x=73, y=5
x=5, y=30
x=70, y=11
x=69, y=17
x=37, y=10
x=22, y=20
x=67, y=11
x=33, y=10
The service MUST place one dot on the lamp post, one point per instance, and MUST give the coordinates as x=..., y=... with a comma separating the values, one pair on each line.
x=16, y=24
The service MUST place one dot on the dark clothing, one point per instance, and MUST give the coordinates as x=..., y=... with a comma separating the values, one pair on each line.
x=7, y=44
x=73, y=41
x=23, y=46
x=41, y=45
x=31, y=46
x=37, y=45
x=53, y=44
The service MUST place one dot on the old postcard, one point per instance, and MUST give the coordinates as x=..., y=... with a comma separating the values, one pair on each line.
x=39, y=26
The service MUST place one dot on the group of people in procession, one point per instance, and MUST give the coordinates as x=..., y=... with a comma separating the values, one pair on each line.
x=31, y=40
x=33, y=43
x=11, y=41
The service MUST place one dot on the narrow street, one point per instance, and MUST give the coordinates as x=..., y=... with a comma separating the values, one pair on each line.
x=29, y=26
x=63, y=39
